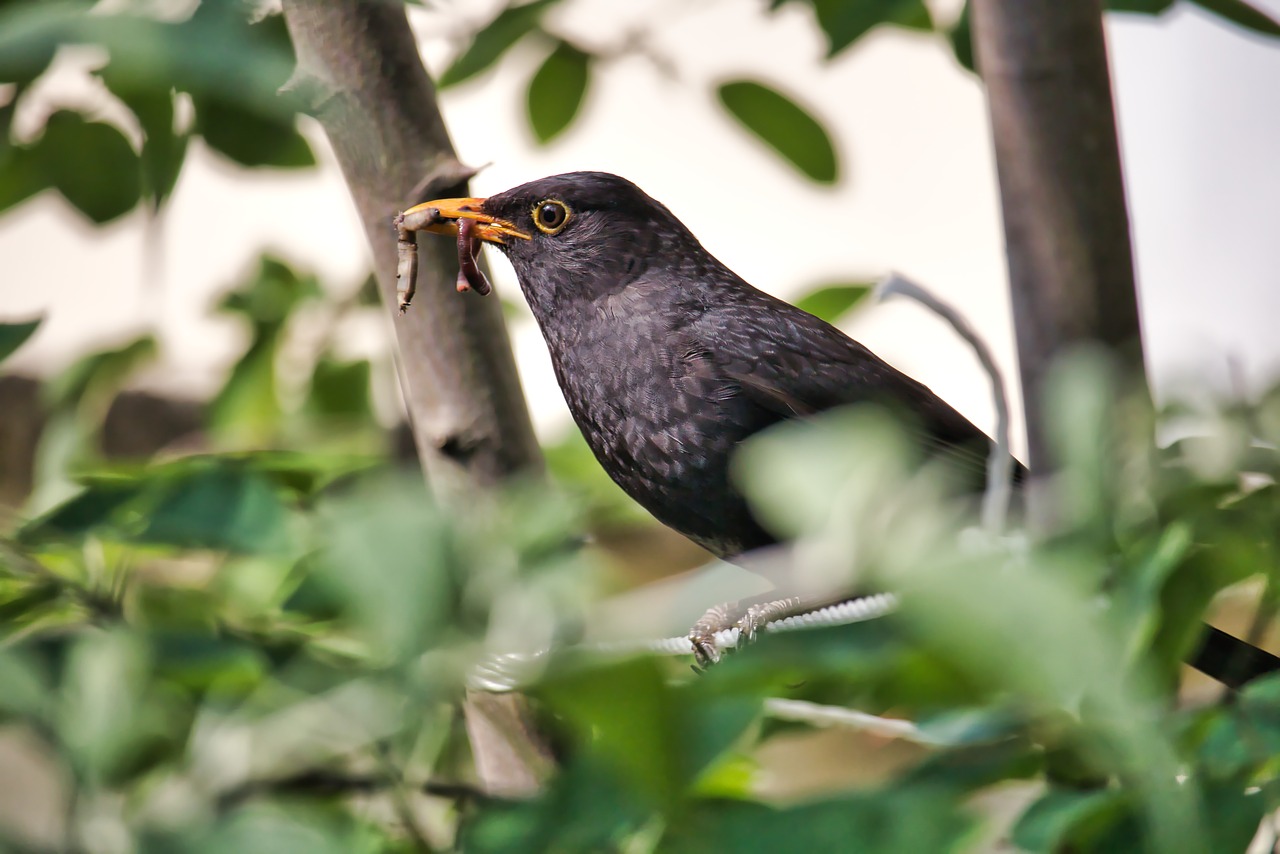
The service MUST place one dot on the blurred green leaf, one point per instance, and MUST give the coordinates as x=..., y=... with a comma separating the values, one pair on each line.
x=204, y=662
x=22, y=175
x=512, y=24
x=14, y=335
x=1145, y=7
x=961, y=38
x=24, y=53
x=831, y=302
x=1247, y=15
x=845, y=22
x=90, y=385
x=1246, y=733
x=386, y=552
x=288, y=827
x=339, y=388
x=658, y=738
x=247, y=410
x=251, y=137
x=625, y=712
x=217, y=507
x=1234, y=809
x=105, y=719
x=25, y=689
x=1239, y=12
x=163, y=149
x=1067, y=818
x=582, y=809
x=93, y=508
x=557, y=90
x=271, y=293
x=870, y=824
x=784, y=126
x=91, y=164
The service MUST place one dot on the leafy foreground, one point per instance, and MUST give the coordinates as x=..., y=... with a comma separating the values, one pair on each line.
x=265, y=651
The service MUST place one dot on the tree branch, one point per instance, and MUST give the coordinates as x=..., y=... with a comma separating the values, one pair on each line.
x=358, y=67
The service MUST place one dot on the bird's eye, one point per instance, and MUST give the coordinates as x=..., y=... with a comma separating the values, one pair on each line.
x=550, y=216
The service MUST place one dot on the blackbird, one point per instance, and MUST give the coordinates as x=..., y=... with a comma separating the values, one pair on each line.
x=668, y=360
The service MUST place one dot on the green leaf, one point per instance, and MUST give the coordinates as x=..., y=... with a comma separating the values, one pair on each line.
x=102, y=714
x=1064, y=815
x=1232, y=814
x=1143, y=7
x=340, y=388
x=272, y=294
x=92, y=383
x=218, y=507
x=25, y=691
x=247, y=410
x=831, y=302
x=163, y=149
x=961, y=38
x=557, y=90
x=844, y=22
x=251, y=137
x=22, y=175
x=488, y=46
x=95, y=507
x=782, y=125
x=1245, y=14
x=658, y=738
x=386, y=555
x=14, y=335
x=626, y=713
x=878, y=823
x=91, y=164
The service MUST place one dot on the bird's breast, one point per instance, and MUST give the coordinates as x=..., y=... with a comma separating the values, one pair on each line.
x=662, y=421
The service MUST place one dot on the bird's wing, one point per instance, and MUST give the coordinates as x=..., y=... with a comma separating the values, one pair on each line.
x=789, y=364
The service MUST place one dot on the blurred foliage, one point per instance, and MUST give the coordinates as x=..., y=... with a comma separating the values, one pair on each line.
x=787, y=128
x=263, y=648
x=556, y=91
x=246, y=646
x=558, y=86
x=214, y=74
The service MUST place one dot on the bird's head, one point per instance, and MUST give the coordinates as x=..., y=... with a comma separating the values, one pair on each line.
x=577, y=235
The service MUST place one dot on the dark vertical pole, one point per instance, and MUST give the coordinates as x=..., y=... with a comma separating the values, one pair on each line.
x=1044, y=63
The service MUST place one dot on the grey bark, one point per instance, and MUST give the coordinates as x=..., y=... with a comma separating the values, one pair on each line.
x=1044, y=63
x=359, y=69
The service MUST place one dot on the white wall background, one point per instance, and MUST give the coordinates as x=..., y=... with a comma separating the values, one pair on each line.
x=1199, y=105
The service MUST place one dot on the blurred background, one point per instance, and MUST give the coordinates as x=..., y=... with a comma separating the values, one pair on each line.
x=915, y=192
x=203, y=285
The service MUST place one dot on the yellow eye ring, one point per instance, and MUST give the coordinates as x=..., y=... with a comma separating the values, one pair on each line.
x=550, y=216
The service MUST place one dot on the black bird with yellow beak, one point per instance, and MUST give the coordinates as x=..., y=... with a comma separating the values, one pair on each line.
x=668, y=359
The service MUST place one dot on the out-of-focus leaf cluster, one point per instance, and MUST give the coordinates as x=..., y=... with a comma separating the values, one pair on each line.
x=241, y=647
x=214, y=74
x=559, y=86
x=208, y=649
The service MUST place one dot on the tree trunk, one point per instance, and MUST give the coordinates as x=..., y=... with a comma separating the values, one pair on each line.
x=359, y=69
x=1044, y=63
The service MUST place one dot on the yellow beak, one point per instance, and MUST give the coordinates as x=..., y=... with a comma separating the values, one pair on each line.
x=441, y=217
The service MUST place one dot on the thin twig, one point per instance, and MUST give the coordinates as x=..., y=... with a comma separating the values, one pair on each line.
x=322, y=783
x=995, y=501
x=814, y=714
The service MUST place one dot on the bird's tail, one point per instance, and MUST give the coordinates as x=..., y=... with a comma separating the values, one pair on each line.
x=1230, y=660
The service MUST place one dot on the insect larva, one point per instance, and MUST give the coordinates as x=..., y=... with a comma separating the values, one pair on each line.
x=470, y=276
